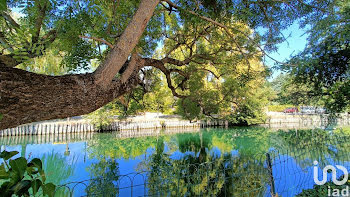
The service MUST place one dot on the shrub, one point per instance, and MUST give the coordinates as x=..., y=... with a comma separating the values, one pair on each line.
x=21, y=178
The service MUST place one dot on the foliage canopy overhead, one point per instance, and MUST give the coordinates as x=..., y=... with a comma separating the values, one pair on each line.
x=206, y=50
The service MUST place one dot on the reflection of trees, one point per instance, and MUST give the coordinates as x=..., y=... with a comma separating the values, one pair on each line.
x=58, y=170
x=198, y=169
x=23, y=150
x=108, y=145
x=104, y=176
x=247, y=140
x=201, y=173
x=105, y=173
x=305, y=146
x=322, y=190
x=252, y=141
x=106, y=148
x=193, y=141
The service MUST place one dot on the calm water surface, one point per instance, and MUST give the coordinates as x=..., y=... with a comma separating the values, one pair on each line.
x=206, y=162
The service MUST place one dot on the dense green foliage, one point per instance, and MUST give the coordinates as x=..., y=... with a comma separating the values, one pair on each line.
x=22, y=178
x=288, y=92
x=321, y=71
x=103, y=116
x=216, y=50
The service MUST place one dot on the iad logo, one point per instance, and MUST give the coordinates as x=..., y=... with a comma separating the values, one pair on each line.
x=331, y=191
x=334, y=174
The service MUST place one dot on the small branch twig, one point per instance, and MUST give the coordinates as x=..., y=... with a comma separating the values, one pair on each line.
x=227, y=31
x=98, y=39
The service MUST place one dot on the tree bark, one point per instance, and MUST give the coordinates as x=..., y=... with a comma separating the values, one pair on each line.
x=126, y=43
x=28, y=97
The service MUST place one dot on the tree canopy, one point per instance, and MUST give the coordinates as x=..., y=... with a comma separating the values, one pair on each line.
x=208, y=52
x=324, y=66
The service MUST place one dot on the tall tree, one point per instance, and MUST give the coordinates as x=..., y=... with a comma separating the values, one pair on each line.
x=122, y=36
x=324, y=66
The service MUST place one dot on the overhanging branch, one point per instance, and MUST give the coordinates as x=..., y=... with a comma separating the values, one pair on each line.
x=125, y=44
x=160, y=65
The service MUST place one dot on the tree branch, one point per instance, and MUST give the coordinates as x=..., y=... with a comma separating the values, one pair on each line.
x=135, y=64
x=99, y=40
x=125, y=44
x=29, y=97
x=160, y=65
x=51, y=35
x=181, y=72
x=39, y=20
x=312, y=6
x=215, y=23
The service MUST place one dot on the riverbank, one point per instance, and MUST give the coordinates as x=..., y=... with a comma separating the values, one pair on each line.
x=135, y=123
x=275, y=120
x=301, y=121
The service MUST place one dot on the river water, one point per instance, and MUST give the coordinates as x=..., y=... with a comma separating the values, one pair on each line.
x=186, y=162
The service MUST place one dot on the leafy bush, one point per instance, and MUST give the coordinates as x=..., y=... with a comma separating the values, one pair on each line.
x=21, y=178
x=188, y=109
x=249, y=113
x=343, y=130
x=101, y=117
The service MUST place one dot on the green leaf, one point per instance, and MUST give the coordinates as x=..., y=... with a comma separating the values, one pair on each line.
x=3, y=5
x=3, y=173
x=49, y=189
x=1, y=116
x=36, y=184
x=32, y=170
x=4, y=191
x=36, y=163
x=19, y=166
x=7, y=155
x=15, y=176
x=21, y=187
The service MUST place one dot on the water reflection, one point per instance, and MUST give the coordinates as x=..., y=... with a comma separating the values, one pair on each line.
x=307, y=146
x=200, y=172
x=219, y=162
x=104, y=174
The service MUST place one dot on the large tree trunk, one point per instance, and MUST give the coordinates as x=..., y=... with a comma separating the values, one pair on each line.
x=28, y=97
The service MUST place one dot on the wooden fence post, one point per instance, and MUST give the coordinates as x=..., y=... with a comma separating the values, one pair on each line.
x=272, y=181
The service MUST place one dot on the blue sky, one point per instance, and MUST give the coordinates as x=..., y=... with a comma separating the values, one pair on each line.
x=294, y=44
